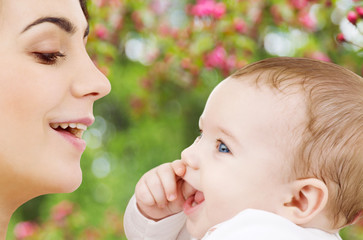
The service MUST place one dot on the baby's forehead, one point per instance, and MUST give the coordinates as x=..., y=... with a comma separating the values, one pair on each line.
x=259, y=105
x=286, y=92
x=288, y=100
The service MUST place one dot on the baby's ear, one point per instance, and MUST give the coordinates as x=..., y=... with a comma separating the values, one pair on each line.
x=305, y=200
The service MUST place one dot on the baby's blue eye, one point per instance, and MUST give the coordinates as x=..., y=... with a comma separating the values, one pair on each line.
x=223, y=148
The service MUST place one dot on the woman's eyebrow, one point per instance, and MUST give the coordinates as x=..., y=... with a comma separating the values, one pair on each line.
x=62, y=23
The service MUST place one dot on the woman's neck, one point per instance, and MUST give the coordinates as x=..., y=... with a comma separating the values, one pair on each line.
x=4, y=227
x=5, y=215
x=10, y=200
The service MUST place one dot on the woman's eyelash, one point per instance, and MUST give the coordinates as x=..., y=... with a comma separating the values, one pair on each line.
x=48, y=58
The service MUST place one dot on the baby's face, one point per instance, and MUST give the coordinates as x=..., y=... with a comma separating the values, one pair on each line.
x=241, y=159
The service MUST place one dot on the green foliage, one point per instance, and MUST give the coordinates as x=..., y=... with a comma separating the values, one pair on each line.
x=163, y=58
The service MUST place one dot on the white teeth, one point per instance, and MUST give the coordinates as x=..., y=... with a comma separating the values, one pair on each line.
x=54, y=125
x=80, y=126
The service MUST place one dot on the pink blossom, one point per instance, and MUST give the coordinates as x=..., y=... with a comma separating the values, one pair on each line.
x=25, y=229
x=240, y=25
x=166, y=30
x=299, y=4
x=103, y=3
x=359, y=10
x=219, y=59
x=208, y=8
x=115, y=3
x=100, y=3
x=340, y=37
x=320, y=56
x=216, y=58
x=308, y=21
x=101, y=31
x=352, y=17
x=219, y=10
x=328, y=3
x=159, y=6
x=152, y=55
x=231, y=62
x=62, y=210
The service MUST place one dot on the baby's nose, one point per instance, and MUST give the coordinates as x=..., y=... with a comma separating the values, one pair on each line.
x=190, y=158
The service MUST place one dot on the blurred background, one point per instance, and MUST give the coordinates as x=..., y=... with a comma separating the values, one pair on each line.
x=163, y=57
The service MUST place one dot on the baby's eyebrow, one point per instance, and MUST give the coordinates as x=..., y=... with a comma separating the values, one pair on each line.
x=227, y=133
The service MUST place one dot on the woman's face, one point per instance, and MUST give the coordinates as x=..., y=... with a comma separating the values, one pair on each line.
x=46, y=79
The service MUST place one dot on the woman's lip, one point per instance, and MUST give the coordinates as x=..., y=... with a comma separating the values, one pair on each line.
x=78, y=143
x=88, y=121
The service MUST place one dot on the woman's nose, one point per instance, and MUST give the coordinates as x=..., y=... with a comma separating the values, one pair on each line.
x=90, y=81
x=190, y=158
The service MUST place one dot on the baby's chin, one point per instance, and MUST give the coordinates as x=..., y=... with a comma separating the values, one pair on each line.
x=197, y=230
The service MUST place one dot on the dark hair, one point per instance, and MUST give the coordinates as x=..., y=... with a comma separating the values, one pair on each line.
x=84, y=8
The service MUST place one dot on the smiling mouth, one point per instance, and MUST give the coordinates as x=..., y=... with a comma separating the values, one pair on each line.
x=75, y=129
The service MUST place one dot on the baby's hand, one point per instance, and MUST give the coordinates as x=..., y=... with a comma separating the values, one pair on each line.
x=159, y=191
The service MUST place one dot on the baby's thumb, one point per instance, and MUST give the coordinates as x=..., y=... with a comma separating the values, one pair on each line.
x=179, y=168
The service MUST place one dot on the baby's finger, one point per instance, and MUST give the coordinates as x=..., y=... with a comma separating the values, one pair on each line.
x=143, y=194
x=187, y=190
x=168, y=181
x=178, y=167
x=156, y=188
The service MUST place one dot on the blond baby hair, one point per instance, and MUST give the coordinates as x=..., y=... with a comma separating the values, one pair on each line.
x=331, y=144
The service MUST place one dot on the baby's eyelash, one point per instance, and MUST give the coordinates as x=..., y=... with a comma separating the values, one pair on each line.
x=48, y=58
x=222, y=147
x=199, y=136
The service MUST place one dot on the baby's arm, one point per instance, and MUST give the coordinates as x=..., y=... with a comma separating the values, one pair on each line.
x=154, y=212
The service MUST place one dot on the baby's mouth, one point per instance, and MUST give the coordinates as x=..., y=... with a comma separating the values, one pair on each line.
x=193, y=202
x=196, y=199
x=76, y=129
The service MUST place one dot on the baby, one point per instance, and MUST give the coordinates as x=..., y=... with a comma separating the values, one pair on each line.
x=280, y=156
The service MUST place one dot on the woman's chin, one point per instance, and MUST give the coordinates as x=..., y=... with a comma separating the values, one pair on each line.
x=68, y=184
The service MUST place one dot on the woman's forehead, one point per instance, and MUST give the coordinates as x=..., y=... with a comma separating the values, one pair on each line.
x=21, y=12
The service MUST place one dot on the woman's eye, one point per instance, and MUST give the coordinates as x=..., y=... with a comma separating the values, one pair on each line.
x=223, y=148
x=48, y=58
